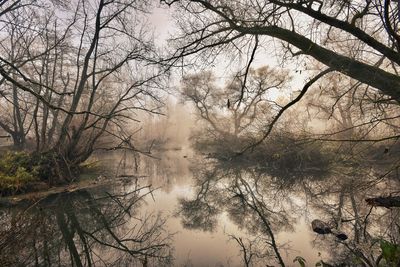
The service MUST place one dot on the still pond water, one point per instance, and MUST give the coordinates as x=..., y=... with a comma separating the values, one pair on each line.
x=187, y=210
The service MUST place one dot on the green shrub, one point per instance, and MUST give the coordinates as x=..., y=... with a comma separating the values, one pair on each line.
x=16, y=172
x=390, y=253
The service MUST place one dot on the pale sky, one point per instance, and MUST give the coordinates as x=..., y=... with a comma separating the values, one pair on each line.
x=163, y=23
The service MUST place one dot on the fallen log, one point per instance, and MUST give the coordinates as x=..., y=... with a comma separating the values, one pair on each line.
x=33, y=197
x=387, y=202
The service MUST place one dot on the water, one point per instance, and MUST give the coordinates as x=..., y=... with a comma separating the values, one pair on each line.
x=185, y=210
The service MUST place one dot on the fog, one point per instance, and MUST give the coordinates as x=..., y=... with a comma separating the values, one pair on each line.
x=199, y=133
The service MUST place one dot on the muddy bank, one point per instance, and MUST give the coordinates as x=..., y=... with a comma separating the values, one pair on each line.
x=41, y=195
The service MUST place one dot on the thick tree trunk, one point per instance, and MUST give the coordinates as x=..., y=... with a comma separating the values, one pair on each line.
x=386, y=82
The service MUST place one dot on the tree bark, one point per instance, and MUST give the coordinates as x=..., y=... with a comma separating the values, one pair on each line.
x=386, y=82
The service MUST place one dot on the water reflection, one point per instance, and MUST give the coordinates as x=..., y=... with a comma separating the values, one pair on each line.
x=341, y=199
x=253, y=201
x=269, y=205
x=85, y=228
x=226, y=214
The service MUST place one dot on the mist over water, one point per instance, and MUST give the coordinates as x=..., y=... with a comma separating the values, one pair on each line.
x=199, y=133
x=199, y=207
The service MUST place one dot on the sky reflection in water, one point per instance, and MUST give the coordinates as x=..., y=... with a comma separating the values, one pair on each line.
x=196, y=216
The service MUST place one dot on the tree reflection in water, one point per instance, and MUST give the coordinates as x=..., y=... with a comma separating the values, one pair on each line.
x=85, y=229
x=266, y=204
x=341, y=198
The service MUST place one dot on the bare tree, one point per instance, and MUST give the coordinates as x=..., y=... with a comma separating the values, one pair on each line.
x=16, y=103
x=239, y=108
x=306, y=30
x=86, y=73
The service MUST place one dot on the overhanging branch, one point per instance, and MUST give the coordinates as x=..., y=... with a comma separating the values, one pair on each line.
x=286, y=107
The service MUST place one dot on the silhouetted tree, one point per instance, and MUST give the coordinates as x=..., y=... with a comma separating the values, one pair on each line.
x=83, y=73
x=304, y=31
x=239, y=108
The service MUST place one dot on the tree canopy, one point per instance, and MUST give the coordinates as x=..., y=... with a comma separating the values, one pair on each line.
x=306, y=28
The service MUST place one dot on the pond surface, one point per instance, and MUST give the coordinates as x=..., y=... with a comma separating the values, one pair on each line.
x=187, y=210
